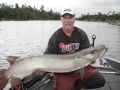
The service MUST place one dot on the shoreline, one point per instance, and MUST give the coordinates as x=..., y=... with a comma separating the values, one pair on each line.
x=117, y=22
x=114, y=23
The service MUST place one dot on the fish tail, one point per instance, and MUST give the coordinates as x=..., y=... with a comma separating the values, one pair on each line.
x=3, y=80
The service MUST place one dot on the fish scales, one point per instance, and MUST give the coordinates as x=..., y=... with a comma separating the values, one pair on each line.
x=54, y=63
x=44, y=63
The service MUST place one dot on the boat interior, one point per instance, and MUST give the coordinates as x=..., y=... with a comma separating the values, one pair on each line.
x=112, y=78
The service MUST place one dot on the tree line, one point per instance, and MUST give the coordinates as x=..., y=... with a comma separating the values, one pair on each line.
x=109, y=17
x=15, y=12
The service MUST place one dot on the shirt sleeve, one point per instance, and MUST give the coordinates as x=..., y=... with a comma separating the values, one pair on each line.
x=84, y=41
x=52, y=45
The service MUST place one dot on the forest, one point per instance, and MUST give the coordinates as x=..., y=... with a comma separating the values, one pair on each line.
x=15, y=12
x=111, y=17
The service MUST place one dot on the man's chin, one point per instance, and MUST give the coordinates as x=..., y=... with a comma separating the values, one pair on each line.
x=68, y=28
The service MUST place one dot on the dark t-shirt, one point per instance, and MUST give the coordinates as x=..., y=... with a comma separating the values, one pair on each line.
x=60, y=43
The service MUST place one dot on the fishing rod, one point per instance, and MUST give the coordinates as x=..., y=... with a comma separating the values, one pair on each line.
x=28, y=84
x=48, y=77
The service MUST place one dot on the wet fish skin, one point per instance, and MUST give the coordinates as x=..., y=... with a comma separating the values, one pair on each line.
x=54, y=63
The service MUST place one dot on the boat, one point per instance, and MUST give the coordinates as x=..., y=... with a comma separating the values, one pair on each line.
x=108, y=67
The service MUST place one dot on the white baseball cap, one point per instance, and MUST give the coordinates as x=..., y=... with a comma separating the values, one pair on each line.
x=69, y=11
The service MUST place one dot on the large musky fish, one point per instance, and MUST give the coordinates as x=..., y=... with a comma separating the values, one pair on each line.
x=54, y=63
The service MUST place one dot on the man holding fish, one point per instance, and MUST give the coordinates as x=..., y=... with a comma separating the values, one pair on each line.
x=70, y=39
x=64, y=57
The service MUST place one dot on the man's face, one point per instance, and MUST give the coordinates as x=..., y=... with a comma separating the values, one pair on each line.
x=68, y=21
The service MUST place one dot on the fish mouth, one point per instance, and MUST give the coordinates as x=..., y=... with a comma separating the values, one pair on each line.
x=103, y=52
x=100, y=54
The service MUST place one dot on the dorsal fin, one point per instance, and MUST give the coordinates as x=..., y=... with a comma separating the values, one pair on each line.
x=12, y=59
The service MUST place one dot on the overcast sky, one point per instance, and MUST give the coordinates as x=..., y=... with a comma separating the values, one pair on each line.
x=79, y=6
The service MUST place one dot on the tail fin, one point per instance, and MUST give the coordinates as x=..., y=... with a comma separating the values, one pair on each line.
x=3, y=80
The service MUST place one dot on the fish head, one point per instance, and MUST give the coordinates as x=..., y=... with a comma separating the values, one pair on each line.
x=89, y=55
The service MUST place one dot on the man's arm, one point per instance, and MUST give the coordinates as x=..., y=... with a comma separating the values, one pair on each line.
x=52, y=47
x=84, y=42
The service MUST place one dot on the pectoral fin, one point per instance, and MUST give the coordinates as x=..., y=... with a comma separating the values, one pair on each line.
x=14, y=81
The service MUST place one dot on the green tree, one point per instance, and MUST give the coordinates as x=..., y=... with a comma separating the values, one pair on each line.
x=8, y=12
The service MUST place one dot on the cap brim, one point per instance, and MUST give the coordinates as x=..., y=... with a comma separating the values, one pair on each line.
x=67, y=13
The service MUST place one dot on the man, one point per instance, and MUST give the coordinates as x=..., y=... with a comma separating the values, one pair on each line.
x=70, y=39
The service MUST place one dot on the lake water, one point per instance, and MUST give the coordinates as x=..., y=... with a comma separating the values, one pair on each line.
x=30, y=38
